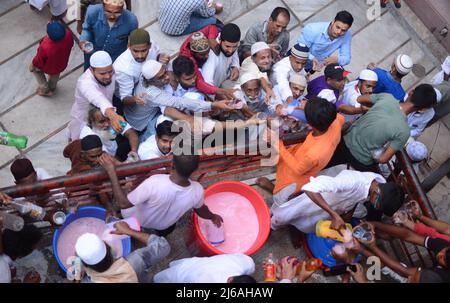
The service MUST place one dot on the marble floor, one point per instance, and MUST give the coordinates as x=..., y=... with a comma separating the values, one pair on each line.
x=43, y=120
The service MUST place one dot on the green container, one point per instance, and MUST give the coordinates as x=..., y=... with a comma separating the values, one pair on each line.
x=13, y=140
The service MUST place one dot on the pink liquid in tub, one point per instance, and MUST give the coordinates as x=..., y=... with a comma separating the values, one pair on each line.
x=70, y=234
x=240, y=221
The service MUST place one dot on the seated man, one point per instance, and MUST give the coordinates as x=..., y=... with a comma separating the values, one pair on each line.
x=160, y=144
x=196, y=47
x=181, y=18
x=259, y=63
x=391, y=81
x=225, y=65
x=419, y=119
x=161, y=200
x=84, y=154
x=15, y=245
x=184, y=77
x=24, y=172
x=299, y=163
x=226, y=268
x=296, y=108
x=324, y=38
x=272, y=32
x=326, y=197
x=385, y=123
x=142, y=115
x=364, y=85
x=293, y=64
x=330, y=85
x=120, y=146
x=100, y=267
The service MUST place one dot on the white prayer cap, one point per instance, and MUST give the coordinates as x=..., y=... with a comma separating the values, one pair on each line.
x=100, y=59
x=150, y=69
x=368, y=75
x=403, y=64
x=298, y=79
x=438, y=95
x=90, y=248
x=258, y=46
x=194, y=96
x=114, y=2
x=244, y=78
x=328, y=95
x=417, y=151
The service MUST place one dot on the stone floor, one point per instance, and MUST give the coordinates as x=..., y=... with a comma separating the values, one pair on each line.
x=43, y=120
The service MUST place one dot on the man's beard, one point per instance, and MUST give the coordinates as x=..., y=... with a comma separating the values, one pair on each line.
x=263, y=69
x=200, y=62
x=101, y=83
x=104, y=134
x=225, y=54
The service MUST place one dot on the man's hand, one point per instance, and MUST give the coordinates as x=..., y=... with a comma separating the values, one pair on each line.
x=337, y=223
x=107, y=163
x=215, y=47
x=359, y=276
x=83, y=49
x=217, y=220
x=227, y=93
x=32, y=277
x=234, y=75
x=304, y=274
x=4, y=198
x=371, y=66
x=122, y=228
x=269, y=95
x=115, y=120
x=225, y=105
x=134, y=156
x=140, y=99
x=288, y=268
x=331, y=60
x=316, y=65
x=164, y=58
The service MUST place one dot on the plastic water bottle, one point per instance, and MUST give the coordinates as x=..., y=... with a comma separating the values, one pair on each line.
x=12, y=222
x=270, y=269
x=28, y=208
x=113, y=131
x=13, y=140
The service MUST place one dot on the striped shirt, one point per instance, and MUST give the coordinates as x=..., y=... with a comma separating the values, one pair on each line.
x=174, y=16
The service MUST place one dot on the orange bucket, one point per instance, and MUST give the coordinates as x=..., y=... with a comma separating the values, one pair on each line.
x=199, y=246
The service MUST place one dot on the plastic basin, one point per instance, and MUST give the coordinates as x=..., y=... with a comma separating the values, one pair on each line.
x=85, y=212
x=198, y=245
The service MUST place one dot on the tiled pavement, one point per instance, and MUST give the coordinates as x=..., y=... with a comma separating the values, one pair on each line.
x=43, y=120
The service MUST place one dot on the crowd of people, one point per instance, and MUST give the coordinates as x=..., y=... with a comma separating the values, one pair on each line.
x=131, y=96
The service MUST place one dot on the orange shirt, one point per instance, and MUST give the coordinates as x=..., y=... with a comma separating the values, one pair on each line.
x=304, y=160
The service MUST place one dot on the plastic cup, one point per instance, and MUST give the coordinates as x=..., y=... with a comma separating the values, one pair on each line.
x=59, y=217
x=238, y=104
x=88, y=47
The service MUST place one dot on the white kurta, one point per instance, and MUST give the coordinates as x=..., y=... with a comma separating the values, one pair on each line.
x=218, y=68
x=342, y=193
x=282, y=71
x=215, y=269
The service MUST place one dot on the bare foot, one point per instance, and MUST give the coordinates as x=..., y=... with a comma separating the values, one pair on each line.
x=44, y=93
x=266, y=184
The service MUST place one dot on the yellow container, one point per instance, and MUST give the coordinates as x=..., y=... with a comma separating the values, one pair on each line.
x=324, y=230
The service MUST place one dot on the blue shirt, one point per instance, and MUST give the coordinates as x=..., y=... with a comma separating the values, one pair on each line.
x=387, y=84
x=113, y=40
x=315, y=36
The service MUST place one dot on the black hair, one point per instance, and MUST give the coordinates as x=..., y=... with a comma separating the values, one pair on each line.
x=104, y=264
x=165, y=129
x=424, y=96
x=447, y=258
x=231, y=33
x=242, y=279
x=279, y=10
x=185, y=165
x=392, y=198
x=18, y=244
x=183, y=66
x=320, y=113
x=344, y=17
